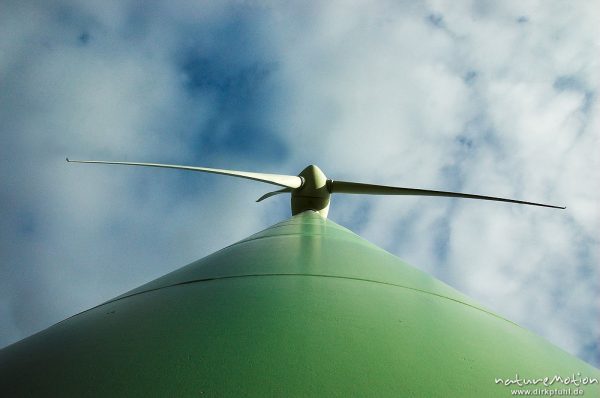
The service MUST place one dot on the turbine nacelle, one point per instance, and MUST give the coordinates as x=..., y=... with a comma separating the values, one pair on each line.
x=313, y=194
x=311, y=190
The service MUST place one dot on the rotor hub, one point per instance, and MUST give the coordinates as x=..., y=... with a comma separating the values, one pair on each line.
x=314, y=194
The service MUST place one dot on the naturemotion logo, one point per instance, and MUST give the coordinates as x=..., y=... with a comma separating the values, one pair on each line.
x=574, y=379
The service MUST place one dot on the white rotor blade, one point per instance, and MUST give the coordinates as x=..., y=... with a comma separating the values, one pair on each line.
x=269, y=194
x=369, y=189
x=276, y=179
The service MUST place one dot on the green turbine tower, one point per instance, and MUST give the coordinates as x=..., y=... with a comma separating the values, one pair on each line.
x=304, y=308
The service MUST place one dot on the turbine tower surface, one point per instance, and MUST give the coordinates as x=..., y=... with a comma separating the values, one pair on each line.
x=304, y=308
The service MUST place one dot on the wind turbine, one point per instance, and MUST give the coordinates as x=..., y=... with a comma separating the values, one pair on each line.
x=311, y=189
x=303, y=308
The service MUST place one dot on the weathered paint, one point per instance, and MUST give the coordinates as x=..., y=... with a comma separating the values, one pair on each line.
x=304, y=308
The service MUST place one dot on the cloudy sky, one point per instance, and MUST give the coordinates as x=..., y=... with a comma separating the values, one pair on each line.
x=486, y=97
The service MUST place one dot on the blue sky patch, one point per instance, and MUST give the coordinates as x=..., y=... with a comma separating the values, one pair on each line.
x=436, y=20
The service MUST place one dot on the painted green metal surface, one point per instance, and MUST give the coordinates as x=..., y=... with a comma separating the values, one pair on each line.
x=304, y=308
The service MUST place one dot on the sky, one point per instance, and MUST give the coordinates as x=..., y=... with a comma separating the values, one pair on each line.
x=485, y=97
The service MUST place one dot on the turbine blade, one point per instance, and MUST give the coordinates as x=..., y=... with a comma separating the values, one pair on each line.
x=369, y=189
x=269, y=194
x=275, y=179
